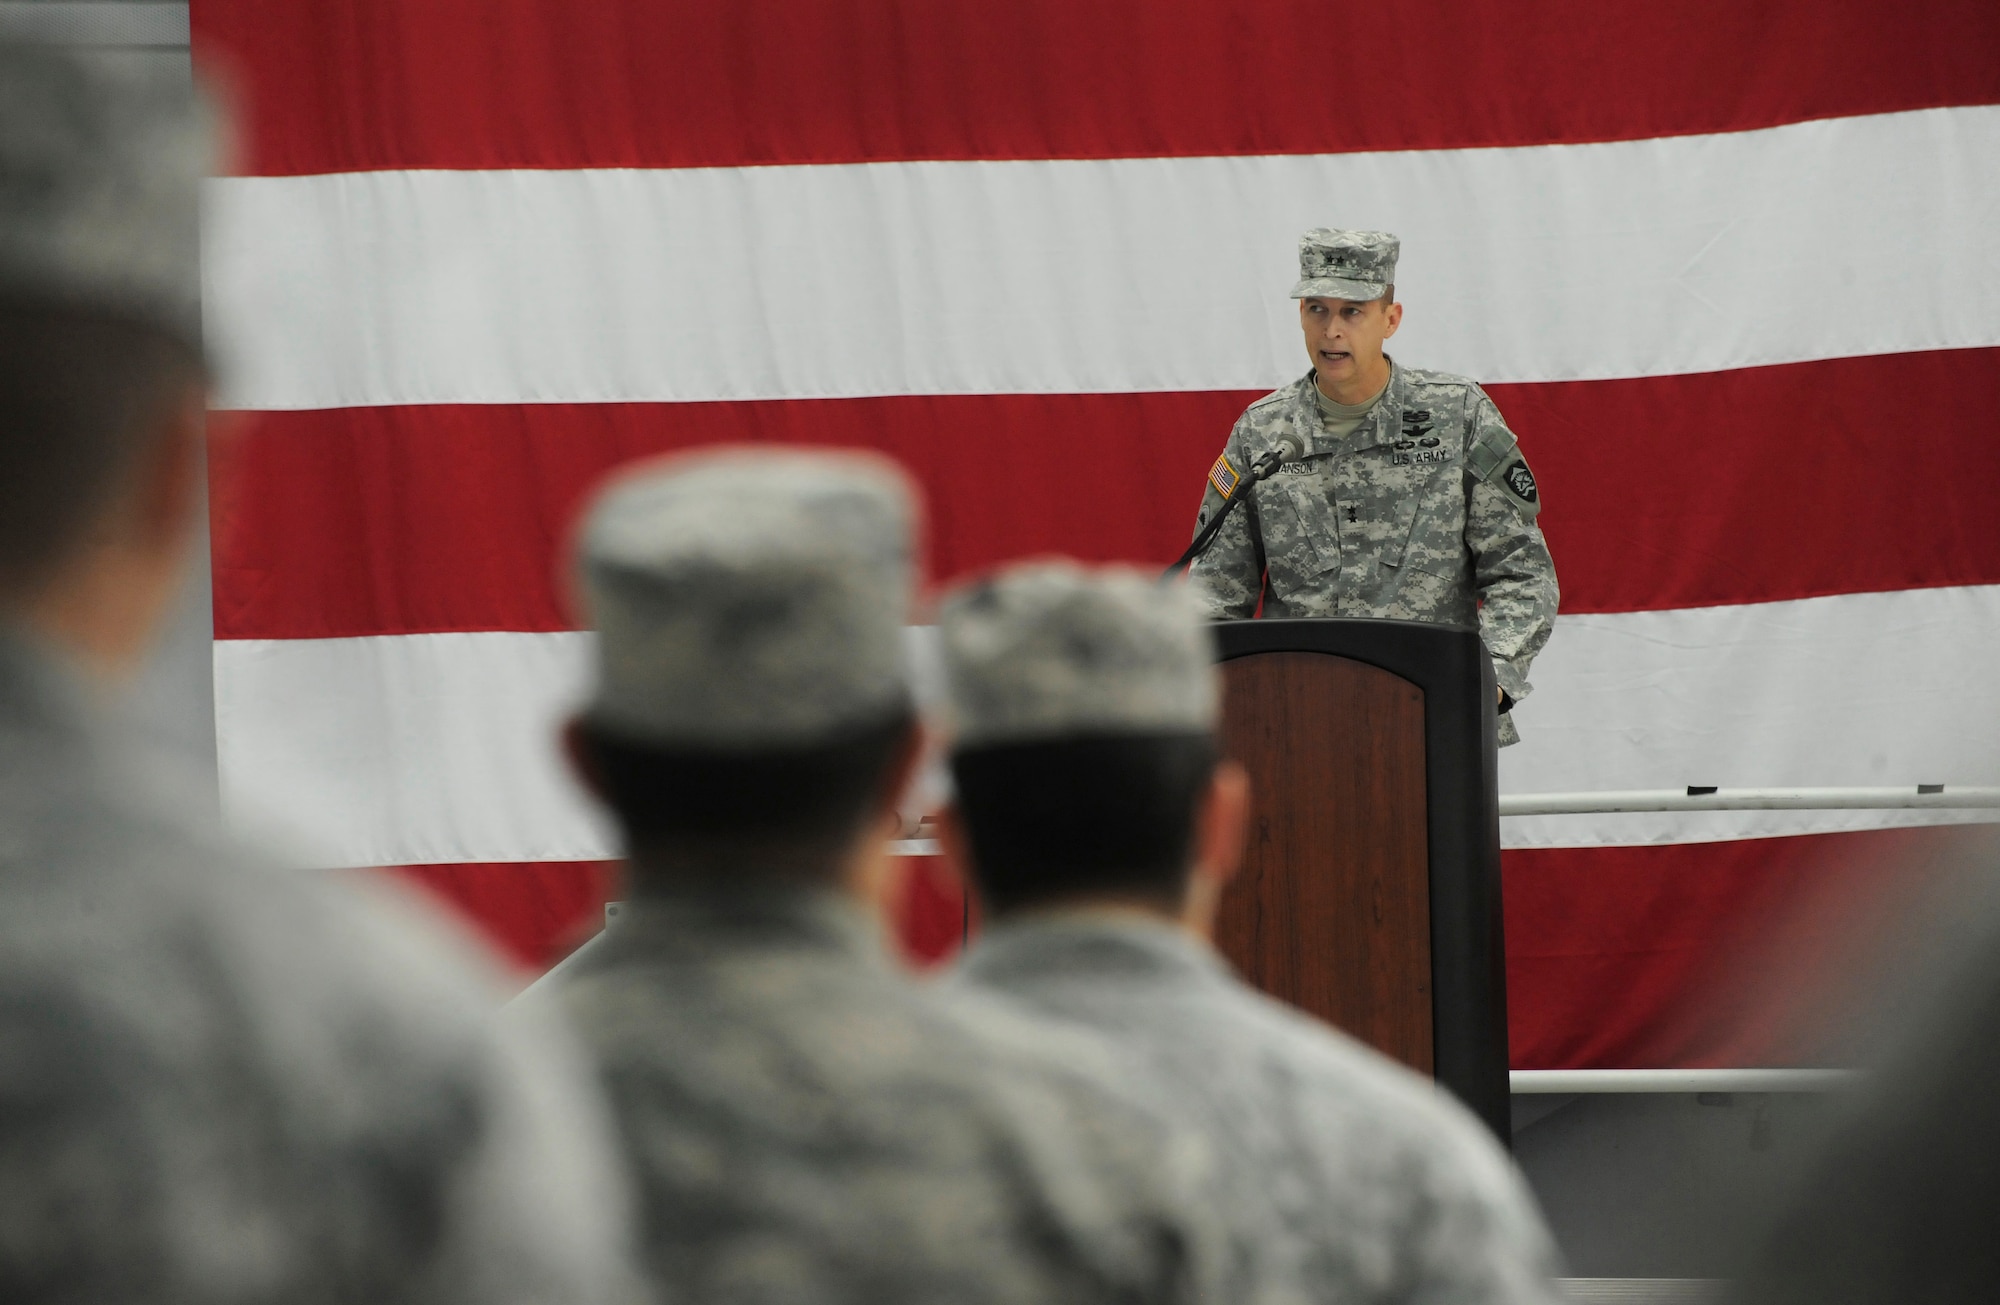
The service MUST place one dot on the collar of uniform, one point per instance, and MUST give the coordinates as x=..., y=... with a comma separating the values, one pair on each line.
x=1381, y=426
x=695, y=920
x=1104, y=943
x=1384, y=424
x=38, y=693
x=60, y=734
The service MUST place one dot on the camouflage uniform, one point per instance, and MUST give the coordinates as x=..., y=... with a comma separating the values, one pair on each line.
x=1425, y=513
x=1354, y=1179
x=807, y=1124
x=220, y=1083
x=1367, y=1181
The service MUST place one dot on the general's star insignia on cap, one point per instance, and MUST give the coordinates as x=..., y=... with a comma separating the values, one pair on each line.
x=1354, y=265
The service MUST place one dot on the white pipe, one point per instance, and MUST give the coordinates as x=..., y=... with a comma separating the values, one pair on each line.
x=1927, y=796
x=553, y=974
x=1537, y=1081
x=1749, y=799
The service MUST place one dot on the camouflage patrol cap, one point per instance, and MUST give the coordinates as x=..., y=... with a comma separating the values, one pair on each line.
x=1346, y=264
x=750, y=599
x=1050, y=650
x=100, y=171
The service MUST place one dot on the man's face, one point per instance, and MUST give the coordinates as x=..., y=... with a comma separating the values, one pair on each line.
x=1344, y=336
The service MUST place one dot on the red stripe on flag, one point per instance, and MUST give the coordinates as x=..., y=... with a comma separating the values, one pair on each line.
x=371, y=84
x=532, y=912
x=1759, y=952
x=1853, y=475
x=536, y=912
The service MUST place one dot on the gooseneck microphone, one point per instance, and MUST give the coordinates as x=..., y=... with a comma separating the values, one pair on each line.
x=1288, y=449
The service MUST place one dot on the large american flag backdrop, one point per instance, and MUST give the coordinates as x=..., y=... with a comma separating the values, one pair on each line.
x=1729, y=270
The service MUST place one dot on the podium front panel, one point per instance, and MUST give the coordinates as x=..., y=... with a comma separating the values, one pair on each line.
x=1331, y=911
x=1371, y=897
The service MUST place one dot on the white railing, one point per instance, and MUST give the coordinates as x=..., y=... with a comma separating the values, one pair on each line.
x=1701, y=798
x=1527, y=1082
x=920, y=840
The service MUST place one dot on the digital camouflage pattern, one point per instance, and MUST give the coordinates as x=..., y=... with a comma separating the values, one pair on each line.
x=1424, y=513
x=808, y=1125
x=1365, y=1182
x=100, y=171
x=750, y=597
x=1336, y=264
x=1047, y=649
x=225, y=1084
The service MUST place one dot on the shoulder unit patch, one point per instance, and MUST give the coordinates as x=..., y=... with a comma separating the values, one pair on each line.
x=1521, y=481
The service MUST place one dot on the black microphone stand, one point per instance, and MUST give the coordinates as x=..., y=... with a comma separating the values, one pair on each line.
x=1260, y=470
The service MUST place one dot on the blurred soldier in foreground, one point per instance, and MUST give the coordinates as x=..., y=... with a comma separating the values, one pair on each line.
x=1408, y=497
x=807, y=1123
x=1099, y=830
x=219, y=1083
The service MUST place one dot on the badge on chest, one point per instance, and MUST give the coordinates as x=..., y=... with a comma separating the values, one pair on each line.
x=1417, y=447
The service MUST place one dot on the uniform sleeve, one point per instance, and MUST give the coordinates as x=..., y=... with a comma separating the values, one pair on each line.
x=1230, y=575
x=1479, y=1239
x=1512, y=569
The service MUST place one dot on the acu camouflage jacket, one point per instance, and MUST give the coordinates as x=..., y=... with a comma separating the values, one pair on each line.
x=1425, y=513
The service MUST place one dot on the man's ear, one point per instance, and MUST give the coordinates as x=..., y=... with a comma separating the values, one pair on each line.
x=1395, y=314
x=582, y=761
x=1220, y=823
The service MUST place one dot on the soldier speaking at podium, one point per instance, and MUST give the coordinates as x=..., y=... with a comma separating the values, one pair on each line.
x=1400, y=494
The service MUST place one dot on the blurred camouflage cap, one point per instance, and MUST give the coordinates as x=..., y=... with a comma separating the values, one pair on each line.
x=1346, y=264
x=100, y=173
x=1049, y=650
x=750, y=599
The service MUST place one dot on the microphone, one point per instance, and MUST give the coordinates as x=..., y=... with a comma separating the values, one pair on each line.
x=1288, y=449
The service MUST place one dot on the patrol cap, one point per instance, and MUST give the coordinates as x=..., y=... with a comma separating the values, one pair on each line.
x=1335, y=264
x=1052, y=649
x=100, y=173
x=749, y=600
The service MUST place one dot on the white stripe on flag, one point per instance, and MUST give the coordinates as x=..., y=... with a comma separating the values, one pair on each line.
x=1861, y=689
x=1825, y=239
x=441, y=747
x=406, y=750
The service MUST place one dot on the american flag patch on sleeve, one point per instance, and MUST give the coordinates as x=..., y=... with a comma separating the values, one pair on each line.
x=1223, y=476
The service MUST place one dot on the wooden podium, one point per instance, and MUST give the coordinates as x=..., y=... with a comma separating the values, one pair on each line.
x=1370, y=892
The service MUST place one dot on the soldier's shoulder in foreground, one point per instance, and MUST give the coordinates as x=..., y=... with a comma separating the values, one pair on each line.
x=847, y=1127
x=1418, y=1149
x=1143, y=1183
x=293, y=1023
